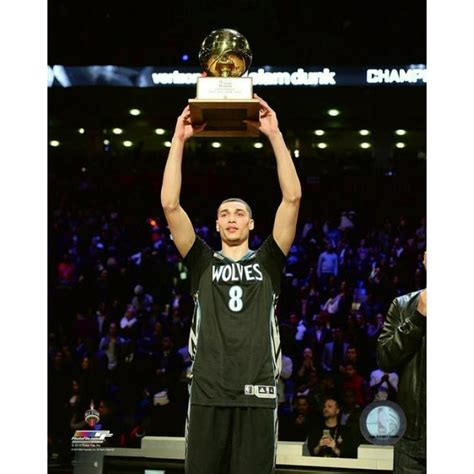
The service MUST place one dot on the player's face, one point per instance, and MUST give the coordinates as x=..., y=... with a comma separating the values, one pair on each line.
x=233, y=223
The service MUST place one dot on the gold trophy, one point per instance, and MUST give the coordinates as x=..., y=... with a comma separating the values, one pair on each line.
x=224, y=99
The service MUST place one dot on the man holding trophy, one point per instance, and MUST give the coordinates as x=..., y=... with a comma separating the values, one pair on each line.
x=234, y=343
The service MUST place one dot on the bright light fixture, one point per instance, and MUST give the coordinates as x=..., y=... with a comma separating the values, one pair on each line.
x=322, y=145
x=127, y=143
x=160, y=131
x=134, y=112
x=333, y=112
x=216, y=144
x=81, y=131
x=400, y=145
x=167, y=144
x=365, y=145
x=296, y=153
x=400, y=132
x=117, y=131
x=258, y=145
x=54, y=143
x=364, y=132
x=106, y=142
x=319, y=133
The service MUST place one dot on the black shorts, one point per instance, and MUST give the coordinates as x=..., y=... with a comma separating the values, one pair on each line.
x=231, y=440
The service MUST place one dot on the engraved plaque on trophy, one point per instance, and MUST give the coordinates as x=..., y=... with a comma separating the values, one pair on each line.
x=224, y=99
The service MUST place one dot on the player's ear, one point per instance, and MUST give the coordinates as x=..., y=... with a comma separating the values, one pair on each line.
x=251, y=224
x=217, y=227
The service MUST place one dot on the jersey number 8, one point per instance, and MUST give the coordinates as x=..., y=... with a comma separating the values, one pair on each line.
x=235, y=298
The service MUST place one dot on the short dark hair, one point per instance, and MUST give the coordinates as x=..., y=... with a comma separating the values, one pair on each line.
x=334, y=399
x=247, y=207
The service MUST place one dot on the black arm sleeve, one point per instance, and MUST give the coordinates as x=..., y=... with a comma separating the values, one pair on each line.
x=273, y=260
x=196, y=260
x=400, y=338
x=352, y=439
x=312, y=443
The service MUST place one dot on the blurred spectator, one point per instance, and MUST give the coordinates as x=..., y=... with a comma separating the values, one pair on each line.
x=334, y=352
x=306, y=366
x=350, y=410
x=101, y=320
x=296, y=427
x=352, y=357
x=319, y=335
x=129, y=323
x=327, y=264
x=111, y=346
x=421, y=235
x=353, y=381
x=142, y=301
x=383, y=385
x=331, y=306
x=66, y=271
x=111, y=421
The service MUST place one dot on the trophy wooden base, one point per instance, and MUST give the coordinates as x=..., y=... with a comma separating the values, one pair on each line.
x=225, y=117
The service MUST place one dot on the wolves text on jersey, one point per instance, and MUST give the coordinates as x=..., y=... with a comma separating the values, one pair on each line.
x=236, y=272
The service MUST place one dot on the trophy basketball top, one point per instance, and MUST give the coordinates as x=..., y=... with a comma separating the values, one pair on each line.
x=225, y=53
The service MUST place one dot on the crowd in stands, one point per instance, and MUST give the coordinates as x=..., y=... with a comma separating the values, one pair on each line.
x=120, y=315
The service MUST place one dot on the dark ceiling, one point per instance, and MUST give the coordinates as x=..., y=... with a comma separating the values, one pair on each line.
x=306, y=32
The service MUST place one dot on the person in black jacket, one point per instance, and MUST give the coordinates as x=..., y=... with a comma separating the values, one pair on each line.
x=401, y=347
x=329, y=438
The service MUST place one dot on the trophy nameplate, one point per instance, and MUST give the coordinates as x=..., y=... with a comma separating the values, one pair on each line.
x=224, y=99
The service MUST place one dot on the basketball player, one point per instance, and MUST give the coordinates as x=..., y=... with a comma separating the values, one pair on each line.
x=234, y=341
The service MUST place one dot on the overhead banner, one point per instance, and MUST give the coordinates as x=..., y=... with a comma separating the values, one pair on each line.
x=291, y=76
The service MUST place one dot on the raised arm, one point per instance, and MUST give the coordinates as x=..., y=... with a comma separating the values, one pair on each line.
x=179, y=223
x=286, y=217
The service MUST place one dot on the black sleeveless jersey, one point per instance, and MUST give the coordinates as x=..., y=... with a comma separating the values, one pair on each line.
x=234, y=341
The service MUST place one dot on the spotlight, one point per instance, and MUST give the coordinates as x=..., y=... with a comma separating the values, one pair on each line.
x=319, y=133
x=127, y=143
x=333, y=112
x=322, y=145
x=364, y=132
x=54, y=143
x=134, y=112
x=167, y=144
x=400, y=145
x=296, y=153
x=160, y=131
x=106, y=142
x=117, y=131
x=365, y=145
x=216, y=144
x=400, y=132
x=81, y=131
x=258, y=145
x=184, y=57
